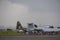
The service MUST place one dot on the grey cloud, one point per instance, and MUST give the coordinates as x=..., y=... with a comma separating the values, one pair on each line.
x=39, y=5
x=36, y=11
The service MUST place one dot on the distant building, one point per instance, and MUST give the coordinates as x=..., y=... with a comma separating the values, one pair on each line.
x=30, y=26
x=2, y=30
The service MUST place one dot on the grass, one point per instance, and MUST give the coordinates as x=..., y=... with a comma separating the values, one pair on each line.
x=10, y=33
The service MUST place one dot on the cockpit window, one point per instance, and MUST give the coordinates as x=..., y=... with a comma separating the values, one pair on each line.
x=51, y=27
x=35, y=26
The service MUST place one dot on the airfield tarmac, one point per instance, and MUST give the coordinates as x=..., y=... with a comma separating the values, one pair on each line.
x=31, y=37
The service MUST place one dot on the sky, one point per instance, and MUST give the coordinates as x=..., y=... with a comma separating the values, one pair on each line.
x=40, y=12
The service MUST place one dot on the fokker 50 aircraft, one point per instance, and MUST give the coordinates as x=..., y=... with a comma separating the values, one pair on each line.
x=46, y=28
x=31, y=27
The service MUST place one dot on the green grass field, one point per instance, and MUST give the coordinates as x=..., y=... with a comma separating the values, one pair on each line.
x=10, y=33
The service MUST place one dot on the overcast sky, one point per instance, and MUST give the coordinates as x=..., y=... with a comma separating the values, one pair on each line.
x=40, y=12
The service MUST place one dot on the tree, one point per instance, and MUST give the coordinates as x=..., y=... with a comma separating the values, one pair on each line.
x=19, y=26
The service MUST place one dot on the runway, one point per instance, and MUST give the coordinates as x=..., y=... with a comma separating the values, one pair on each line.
x=31, y=37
